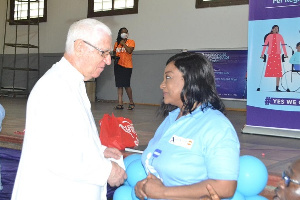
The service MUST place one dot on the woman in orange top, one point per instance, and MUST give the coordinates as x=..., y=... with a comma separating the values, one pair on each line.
x=123, y=49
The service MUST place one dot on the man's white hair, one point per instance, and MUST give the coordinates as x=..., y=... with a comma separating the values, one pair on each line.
x=90, y=30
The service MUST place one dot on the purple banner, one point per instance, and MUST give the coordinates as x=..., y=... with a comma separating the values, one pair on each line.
x=272, y=118
x=273, y=9
x=230, y=67
x=273, y=100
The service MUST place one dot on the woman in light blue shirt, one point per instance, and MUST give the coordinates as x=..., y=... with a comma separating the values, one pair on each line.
x=196, y=144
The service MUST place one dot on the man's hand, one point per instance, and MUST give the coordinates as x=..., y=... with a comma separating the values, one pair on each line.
x=112, y=153
x=117, y=175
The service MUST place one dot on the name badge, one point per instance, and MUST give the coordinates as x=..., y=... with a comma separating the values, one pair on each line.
x=182, y=142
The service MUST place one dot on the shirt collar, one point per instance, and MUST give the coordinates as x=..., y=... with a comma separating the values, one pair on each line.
x=196, y=113
x=72, y=72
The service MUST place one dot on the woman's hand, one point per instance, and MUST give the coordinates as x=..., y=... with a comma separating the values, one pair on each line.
x=127, y=48
x=212, y=192
x=154, y=188
x=122, y=42
x=139, y=192
x=151, y=187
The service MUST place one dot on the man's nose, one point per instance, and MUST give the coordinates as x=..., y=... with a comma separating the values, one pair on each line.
x=107, y=59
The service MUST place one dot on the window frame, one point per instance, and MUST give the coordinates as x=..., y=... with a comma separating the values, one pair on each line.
x=25, y=21
x=219, y=3
x=125, y=11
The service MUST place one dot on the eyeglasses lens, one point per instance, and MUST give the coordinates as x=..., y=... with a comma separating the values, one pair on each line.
x=105, y=54
x=286, y=179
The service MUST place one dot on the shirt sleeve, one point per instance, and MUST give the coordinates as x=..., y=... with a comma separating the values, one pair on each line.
x=131, y=43
x=223, y=149
x=115, y=46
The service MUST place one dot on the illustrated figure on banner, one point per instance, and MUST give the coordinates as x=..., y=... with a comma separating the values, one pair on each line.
x=295, y=59
x=274, y=41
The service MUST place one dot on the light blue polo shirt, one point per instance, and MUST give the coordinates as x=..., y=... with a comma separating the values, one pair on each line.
x=199, y=146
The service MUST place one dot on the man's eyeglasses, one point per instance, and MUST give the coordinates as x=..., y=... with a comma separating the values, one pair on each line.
x=104, y=54
x=287, y=180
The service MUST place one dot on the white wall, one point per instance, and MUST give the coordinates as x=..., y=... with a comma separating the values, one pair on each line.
x=159, y=25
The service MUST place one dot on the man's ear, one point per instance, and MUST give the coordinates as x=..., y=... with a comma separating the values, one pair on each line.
x=79, y=48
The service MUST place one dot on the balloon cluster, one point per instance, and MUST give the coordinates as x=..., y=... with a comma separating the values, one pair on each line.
x=253, y=177
x=252, y=180
x=135, y=172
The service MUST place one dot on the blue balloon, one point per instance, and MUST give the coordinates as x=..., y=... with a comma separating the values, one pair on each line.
x=256, y=197
x=126, y=183
x=237, y=196
x=123, y=193
x=253, y=176
x=135, y=172
x=133, y=195
x=131, y=158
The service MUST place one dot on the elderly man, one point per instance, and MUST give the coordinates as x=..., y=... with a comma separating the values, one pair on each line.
x=289, y=186
x=62, y=156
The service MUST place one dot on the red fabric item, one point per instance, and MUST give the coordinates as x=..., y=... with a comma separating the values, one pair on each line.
x=117, y=132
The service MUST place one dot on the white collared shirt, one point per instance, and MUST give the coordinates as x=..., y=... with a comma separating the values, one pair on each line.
x=62, y=156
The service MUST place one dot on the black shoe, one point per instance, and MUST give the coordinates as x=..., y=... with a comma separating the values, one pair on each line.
x=119, y=107
x=131, y=106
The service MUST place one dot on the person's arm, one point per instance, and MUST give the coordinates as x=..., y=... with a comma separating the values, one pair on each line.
x=127, y=48
x=283, y=46
x=293, y=59
x=154, y=188
x=116, y=176
x=114, y=49
x=265, y=46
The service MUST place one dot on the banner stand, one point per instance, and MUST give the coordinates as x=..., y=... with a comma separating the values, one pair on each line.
x=273, y=100
x=256, y=130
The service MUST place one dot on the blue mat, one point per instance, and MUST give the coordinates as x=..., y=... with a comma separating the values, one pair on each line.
x=9, y=159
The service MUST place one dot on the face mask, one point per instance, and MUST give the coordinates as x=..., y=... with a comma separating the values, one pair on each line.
x=124, y=35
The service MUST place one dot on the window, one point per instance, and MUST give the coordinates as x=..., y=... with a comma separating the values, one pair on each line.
x=99, y=8
x=217, y=3
x=21, y=10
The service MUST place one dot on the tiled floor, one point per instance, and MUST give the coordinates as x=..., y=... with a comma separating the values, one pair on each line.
x=275, y=152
